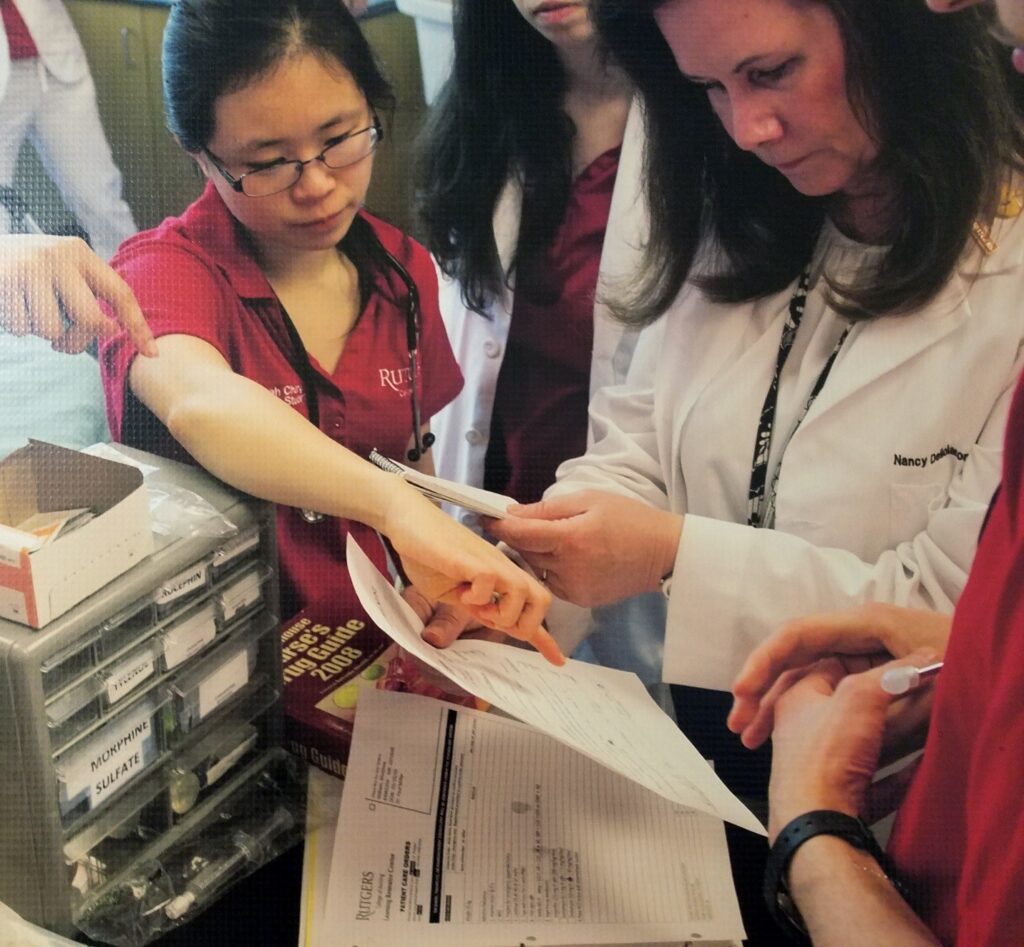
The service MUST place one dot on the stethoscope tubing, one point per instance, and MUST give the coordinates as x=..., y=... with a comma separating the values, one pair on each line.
x=299, y=359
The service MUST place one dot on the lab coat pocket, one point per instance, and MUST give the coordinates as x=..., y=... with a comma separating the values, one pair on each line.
x=910, y=506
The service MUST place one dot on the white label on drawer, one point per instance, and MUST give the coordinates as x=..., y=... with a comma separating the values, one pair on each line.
x=240, y=596
x=184, y=640
x=182, y=584
x=111, y=759
x=128, y=675
x=223, y=682
x=236, y=547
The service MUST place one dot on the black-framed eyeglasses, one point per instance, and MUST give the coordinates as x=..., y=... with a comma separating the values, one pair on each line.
x=340, y=153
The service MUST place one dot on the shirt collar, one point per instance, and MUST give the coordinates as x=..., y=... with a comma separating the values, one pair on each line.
x=215, y=230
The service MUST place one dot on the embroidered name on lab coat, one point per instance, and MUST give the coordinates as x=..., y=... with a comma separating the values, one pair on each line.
x=899, y=460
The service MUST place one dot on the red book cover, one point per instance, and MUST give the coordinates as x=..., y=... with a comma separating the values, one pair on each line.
x=331, y=651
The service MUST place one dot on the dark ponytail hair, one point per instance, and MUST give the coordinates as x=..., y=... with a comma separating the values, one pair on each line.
x=215, y=47
x=933, y=91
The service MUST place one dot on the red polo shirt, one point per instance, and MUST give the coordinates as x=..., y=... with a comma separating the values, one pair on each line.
x=958, y=841
x=540, y=405
x=196, y=275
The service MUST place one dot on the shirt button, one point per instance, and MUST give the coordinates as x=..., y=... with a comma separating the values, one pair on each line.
x=474, y=437
x=491, y=348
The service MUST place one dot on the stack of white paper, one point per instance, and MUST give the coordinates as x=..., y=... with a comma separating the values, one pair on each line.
x=484, y=832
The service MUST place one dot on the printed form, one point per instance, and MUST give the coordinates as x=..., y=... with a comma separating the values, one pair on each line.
x=483, y=832
x=603, y=713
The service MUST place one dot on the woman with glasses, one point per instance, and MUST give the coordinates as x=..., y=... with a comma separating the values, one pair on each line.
x=296, y=332
x=529, y=185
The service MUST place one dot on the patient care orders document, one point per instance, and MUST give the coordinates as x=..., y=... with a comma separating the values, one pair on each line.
x=465, y=829
x=603, y=713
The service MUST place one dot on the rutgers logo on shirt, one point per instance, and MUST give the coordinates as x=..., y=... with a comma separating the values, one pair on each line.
x=396, y=379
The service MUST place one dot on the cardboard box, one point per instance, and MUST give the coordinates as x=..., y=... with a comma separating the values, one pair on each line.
x=39, y=584
x=331, y=651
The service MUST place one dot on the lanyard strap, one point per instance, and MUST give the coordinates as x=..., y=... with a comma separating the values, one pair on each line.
x=761, y=495
x=298, y=358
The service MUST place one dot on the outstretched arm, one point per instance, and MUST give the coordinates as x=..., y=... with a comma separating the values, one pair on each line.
x=243, y=434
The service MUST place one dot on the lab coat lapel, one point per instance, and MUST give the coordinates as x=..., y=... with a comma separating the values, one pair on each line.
x=875, y=348
x=621, y=256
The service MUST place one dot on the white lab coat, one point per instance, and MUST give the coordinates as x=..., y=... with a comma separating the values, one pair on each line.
x=55, y=37
x=463, y=427
x=52, y=102
x=629, y=634
x=873, y=503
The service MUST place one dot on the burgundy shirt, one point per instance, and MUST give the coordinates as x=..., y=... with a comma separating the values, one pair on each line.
x=958, y=841
x=196, y=275
x=540, y=405
x=19, y=39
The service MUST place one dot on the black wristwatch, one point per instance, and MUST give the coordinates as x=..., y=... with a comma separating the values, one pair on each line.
x=820, y=822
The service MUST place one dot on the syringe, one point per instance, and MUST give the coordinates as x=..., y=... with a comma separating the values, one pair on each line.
x=903, y=679
x=249, y=848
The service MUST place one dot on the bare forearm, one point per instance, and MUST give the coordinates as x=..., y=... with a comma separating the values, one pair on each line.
x=254, y=441
x=845, y=898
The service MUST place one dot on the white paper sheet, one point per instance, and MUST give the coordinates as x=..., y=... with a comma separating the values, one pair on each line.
x=464, y=829
x=323, y=798
x=601, y=712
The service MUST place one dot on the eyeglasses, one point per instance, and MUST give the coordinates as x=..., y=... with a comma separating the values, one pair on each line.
x=340, y=153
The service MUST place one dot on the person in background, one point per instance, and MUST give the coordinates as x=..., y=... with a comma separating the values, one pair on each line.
x=956, y=854
x=529, y=190
x=283, y=310
x=47, y=95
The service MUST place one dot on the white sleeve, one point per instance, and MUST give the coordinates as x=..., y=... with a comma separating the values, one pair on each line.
x=734, y=585
x=625, y=456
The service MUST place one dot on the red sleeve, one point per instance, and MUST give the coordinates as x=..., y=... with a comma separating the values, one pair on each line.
x=179, y=295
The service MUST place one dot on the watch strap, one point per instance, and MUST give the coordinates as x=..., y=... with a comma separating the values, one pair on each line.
x=800, y=830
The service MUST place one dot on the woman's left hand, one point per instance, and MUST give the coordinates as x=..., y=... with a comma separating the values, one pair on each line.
x=829, y=730
x=592, y=548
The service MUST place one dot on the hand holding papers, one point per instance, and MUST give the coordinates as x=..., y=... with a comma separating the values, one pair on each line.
x=605, y=714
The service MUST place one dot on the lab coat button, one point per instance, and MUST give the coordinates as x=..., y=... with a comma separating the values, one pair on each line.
x=474, y=437
x=491, y=348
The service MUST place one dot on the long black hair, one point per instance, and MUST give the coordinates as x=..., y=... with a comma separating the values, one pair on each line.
x=214, y=47
x=932, y=91
x=498, y=116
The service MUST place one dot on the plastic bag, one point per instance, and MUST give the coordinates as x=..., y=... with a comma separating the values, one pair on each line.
x=15, y=931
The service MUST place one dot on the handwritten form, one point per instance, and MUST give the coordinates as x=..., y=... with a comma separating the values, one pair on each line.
x=465, y=829
x=601, y=712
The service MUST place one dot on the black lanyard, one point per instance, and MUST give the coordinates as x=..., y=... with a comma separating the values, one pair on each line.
x=761, y=496
x=298, y=358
